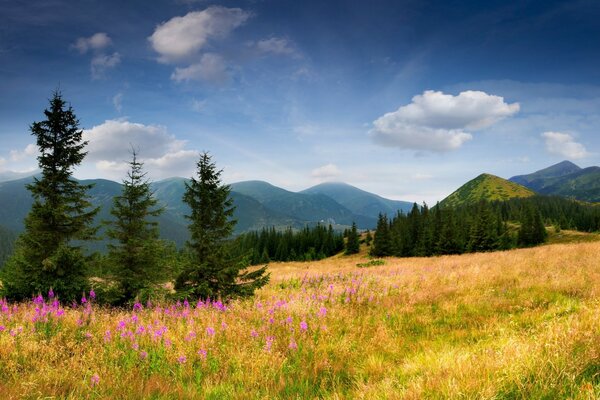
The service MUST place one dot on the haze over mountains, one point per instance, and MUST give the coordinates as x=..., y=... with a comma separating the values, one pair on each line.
x=258, y=205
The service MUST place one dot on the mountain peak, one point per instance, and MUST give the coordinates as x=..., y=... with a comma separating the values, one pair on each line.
x=485, y=187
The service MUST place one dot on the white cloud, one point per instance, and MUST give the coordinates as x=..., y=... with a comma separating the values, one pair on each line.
x=97, y=41
x=110, y=143
x=435, y=121
x=326, y=172
x=211, y=68
x=117, y=101
x=564, y=144
x=183, y=37
x=102, y=62
x=28, y=152
x=278, y=46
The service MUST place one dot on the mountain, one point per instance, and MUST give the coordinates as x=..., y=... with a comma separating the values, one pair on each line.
x=6, y=176
x=485, y=187
x=538, y=180
x=359, y=201
x=303, y=207
x=565, y=179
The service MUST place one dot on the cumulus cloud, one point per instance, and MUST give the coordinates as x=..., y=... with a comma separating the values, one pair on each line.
x=277, y=46
x=97, y=41
x=102, y=62
x=181, y=38
x=29, y=151
x=564, y=144
x=211, y=68
x=326, y=172
x=435, y=121
x=164, y=155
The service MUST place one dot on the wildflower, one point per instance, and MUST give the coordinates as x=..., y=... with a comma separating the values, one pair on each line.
x=182, y=359
x=95, y=379
x=143, y=355
x=322, y=312
x=269, y=343
x=289, y=320
x=292, y=345
x=202, y=353
x=303, y=326
x=2, y=327
x=83, y=299
x=253, y=333
x=137, y=306
x=223, y=325
x=92, y=294
x=210, y=331
x=51, y=293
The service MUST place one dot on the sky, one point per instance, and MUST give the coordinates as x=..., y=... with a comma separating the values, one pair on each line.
x=406, y=99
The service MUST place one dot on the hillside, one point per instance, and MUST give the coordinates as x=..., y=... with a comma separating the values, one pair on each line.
x=358, y=201
x=564, y=179
x=485, y=187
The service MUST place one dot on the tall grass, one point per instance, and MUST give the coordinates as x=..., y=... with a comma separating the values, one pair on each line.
x=520, y=324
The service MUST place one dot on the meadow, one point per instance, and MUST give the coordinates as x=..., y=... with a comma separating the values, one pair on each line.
x=519, y=324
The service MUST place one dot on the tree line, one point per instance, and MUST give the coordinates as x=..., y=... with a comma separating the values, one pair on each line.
x=473, y=228
x=269, y=244
x=48, y=255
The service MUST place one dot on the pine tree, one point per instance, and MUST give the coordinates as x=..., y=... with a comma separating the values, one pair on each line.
x=211, y=272
x=136, y=257
x=46, y=255
x=382, y=243
x=368, y=238
x=353, y=241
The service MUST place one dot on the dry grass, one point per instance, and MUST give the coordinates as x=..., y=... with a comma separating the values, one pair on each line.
x=522, y=324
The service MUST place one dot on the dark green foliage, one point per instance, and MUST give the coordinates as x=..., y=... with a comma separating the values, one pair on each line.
x=382, y=244
x=484, y=229
x=46, y=254
x=307, y=244
x=368, y=238
x=7, y=244
x=352, y=241
x=211, y=271
x=532, y=230
x=135, y=253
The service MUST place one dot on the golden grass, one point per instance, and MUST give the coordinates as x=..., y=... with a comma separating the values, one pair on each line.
x=521, y=324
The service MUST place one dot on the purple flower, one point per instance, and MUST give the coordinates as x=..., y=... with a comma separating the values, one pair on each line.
x=83, y=299
x=269, y=343
x=137, y=306
x=202, y=353
x=95, y=379
x=253, y=333
x=322, y=312
x=292, y=345
x=182, y=359
x=51, y=293
x=143, y=355
x=210, y=331
x=303, y=326
x=92, y=294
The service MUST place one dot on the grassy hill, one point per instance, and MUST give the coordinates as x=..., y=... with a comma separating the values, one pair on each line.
x=486, y=187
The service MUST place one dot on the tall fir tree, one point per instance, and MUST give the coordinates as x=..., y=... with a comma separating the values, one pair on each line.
x=211, y=272
x=136, y=255
x=47, y=255
x=352, y=241
x=382, y=243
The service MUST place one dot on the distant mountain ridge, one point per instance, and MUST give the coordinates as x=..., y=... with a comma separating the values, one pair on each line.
x=485, y=187
x=258, y=205
x=564, y=179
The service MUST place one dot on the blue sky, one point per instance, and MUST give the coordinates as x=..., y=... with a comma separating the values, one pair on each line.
x=407, y=99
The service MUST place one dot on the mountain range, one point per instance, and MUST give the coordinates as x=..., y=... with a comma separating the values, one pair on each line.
x=258, y=205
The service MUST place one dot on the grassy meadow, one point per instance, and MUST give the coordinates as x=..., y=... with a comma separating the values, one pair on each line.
x=521, y=324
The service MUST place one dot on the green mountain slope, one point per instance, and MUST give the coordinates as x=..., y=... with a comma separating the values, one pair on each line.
x=539, y=180
x=358, y=201
x=306, y=208
x=564, y=179
x=485, y=187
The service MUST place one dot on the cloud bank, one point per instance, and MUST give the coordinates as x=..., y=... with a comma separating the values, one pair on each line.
x=564, y=144
x=439, y=122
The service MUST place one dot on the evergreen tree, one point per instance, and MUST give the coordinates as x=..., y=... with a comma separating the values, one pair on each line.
x=382, y=243
x=47, y=255
x=368, y=238
x=483, y=235
x=211, y=272
x=136, y=258
x=352, y=241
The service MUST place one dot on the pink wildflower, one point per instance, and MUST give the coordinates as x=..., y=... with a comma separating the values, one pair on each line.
x=95, y=379
x=303, y=326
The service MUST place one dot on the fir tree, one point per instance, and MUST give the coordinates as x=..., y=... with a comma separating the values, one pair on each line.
x=211, y=272
x=382, y=243
x=352, y=241
x=136, y=258
x=46, y=255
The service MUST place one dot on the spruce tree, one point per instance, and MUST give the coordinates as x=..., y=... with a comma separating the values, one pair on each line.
x=211, y=272
x=136, y=256
x=382, y=243
x=352, y=241
x=47, y=255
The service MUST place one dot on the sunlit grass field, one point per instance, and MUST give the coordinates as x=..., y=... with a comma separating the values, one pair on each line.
x=521, y=324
